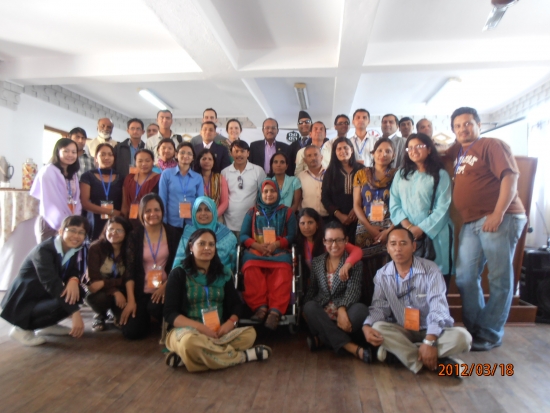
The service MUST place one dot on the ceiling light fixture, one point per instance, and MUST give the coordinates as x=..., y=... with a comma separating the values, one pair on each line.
x=152, y=99
x=500, y=7
x=301, y=94
x=450, y=83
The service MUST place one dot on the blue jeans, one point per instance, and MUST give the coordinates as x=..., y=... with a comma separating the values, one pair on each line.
x=475, y=248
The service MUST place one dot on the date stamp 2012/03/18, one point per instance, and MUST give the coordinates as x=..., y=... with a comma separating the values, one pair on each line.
x=476, y=369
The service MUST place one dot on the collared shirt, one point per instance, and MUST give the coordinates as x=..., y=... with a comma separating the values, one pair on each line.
x=241, y=200
x=207, y=145
x=423, y=290
x=132, y=153
x=59, y=248
x=326, y=149
x=175, y=188
x=270, y=150
x=86, y=163
x=305, y=141
x=363, y=149
x=153, y=141
x=311, y=190
x=94, y=143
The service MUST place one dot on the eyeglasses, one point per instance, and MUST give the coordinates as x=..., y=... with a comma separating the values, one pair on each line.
x=304, y=122
x=415, y=147
x=269, y=128
x=73, y=231
x=337, y=241
x=240, y=181
x=118, y=231
x=346, y=123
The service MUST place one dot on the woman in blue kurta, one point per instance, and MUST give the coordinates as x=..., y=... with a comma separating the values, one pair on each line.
x=205, y=216
x=267, y=265
x=411, y=195
x=290, y=187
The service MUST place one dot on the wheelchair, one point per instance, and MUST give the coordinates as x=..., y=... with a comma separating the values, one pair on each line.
x=292, y=316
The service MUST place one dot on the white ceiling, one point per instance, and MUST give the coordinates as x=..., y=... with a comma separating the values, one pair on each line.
x=243, y=57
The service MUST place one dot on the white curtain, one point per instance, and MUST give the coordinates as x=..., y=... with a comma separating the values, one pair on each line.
x=539, y=147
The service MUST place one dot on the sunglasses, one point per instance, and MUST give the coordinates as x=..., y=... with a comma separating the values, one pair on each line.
x=240, y=181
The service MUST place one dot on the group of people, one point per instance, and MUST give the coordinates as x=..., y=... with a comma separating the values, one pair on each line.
x=165, y=218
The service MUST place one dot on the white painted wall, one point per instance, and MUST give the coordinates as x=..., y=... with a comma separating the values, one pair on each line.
x=21, y=130
x=514, y=135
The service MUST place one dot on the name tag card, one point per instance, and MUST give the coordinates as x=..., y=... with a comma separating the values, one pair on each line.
x=211, y=318
x=154, y=278
x=269, y=235
x=185, y=210
x=412, y=319
x=377, y=212
x=109, y=205
x=134, y=208
x=134, y=170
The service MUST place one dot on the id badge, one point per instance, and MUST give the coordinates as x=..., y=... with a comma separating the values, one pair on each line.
x=71, y=203
x=134, y=208
x=109, y=205
x=154, y=277
x=269, y=235
x=185, y=210
x=134, y=170
x=211, y=318
x=377, y=211
x=412, y=319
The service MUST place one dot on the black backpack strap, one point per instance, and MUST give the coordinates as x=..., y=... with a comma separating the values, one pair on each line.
x=436, y=184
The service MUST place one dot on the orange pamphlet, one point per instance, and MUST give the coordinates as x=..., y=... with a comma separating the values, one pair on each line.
x=269, y=235
x=185, y=210
x=412, y=319
x=211, y=319
x=377, y=212
x=154, y=278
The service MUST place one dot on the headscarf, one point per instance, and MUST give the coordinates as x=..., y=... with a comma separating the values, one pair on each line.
x=261, y=205
x=220, y=230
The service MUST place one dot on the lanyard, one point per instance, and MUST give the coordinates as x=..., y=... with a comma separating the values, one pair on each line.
x=268, y=219
x=65, y=267
x=362, y=147
x=314, y=177
x=207, y=296
x=154, y=254
x=107, y=188
x=186, y=185
x=309, y=258
x=409, y=289
x=114, y=268
x=461, y=157
x=138, y=186
x=69, y=188
x=207, y=187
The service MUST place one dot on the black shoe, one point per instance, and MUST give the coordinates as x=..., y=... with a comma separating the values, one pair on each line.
x=367, y=354
x=313, y=343
x=173, y=360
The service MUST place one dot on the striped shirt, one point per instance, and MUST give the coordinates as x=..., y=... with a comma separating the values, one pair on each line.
x=424, y=289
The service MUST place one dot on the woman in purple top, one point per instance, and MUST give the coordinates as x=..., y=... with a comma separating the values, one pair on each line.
x=56, y=186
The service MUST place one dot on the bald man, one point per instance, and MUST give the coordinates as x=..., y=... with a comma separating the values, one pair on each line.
x=104, y=130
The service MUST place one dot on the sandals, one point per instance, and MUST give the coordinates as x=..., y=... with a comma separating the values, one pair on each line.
x=173, y=360
x=98, y=325
x=272, y=320
x=260, y=314
x=258, y=352
x=367, y=354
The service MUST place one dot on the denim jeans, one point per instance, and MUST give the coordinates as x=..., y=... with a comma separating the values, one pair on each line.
x=475, y=248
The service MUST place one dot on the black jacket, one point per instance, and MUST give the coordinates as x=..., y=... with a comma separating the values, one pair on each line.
x=124, y=157
x=257, y=152
x=135, y=270
x=220, y=153
x=40, y=278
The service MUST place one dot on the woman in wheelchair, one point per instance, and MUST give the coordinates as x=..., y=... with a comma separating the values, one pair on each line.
x=205, y=215
x=203, y=307
x=310, y=244
x=267, y=233
x=332, y=308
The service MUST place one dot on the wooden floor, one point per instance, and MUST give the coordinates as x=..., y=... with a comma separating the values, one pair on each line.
x=102, y=372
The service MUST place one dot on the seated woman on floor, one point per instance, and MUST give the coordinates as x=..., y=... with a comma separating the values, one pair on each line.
x=332, y=308
x=267, y=232
x=205, y=215
x=203, y=307
x=109, y=287
x=47, y=288
x=309, y=244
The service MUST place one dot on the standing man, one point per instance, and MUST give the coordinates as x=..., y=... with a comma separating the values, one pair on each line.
x=341, y=124
x=320, y=140
x=485, y=195
x=84, y=159
x=243, y=180
x=208, y=132
x=425, y=126
x=412, y=289
x=262, y=151
x=152, y=129
x=304, y=127
x=164, y=120
x=312, y=180
x=406, y=127
x=389, y=130
x=104, y=131
x=362, y=144
x=209, y=115
x=125, y=151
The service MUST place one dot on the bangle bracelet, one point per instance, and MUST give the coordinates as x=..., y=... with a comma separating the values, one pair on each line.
x=409, y=227
x=74, y=278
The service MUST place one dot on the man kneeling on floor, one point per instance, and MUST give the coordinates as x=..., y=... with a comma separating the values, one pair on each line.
x=413, y=290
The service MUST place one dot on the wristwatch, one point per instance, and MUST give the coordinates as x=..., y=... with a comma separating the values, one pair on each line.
x=432, y=343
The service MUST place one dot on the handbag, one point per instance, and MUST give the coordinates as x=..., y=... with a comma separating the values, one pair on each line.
x=425, y=245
